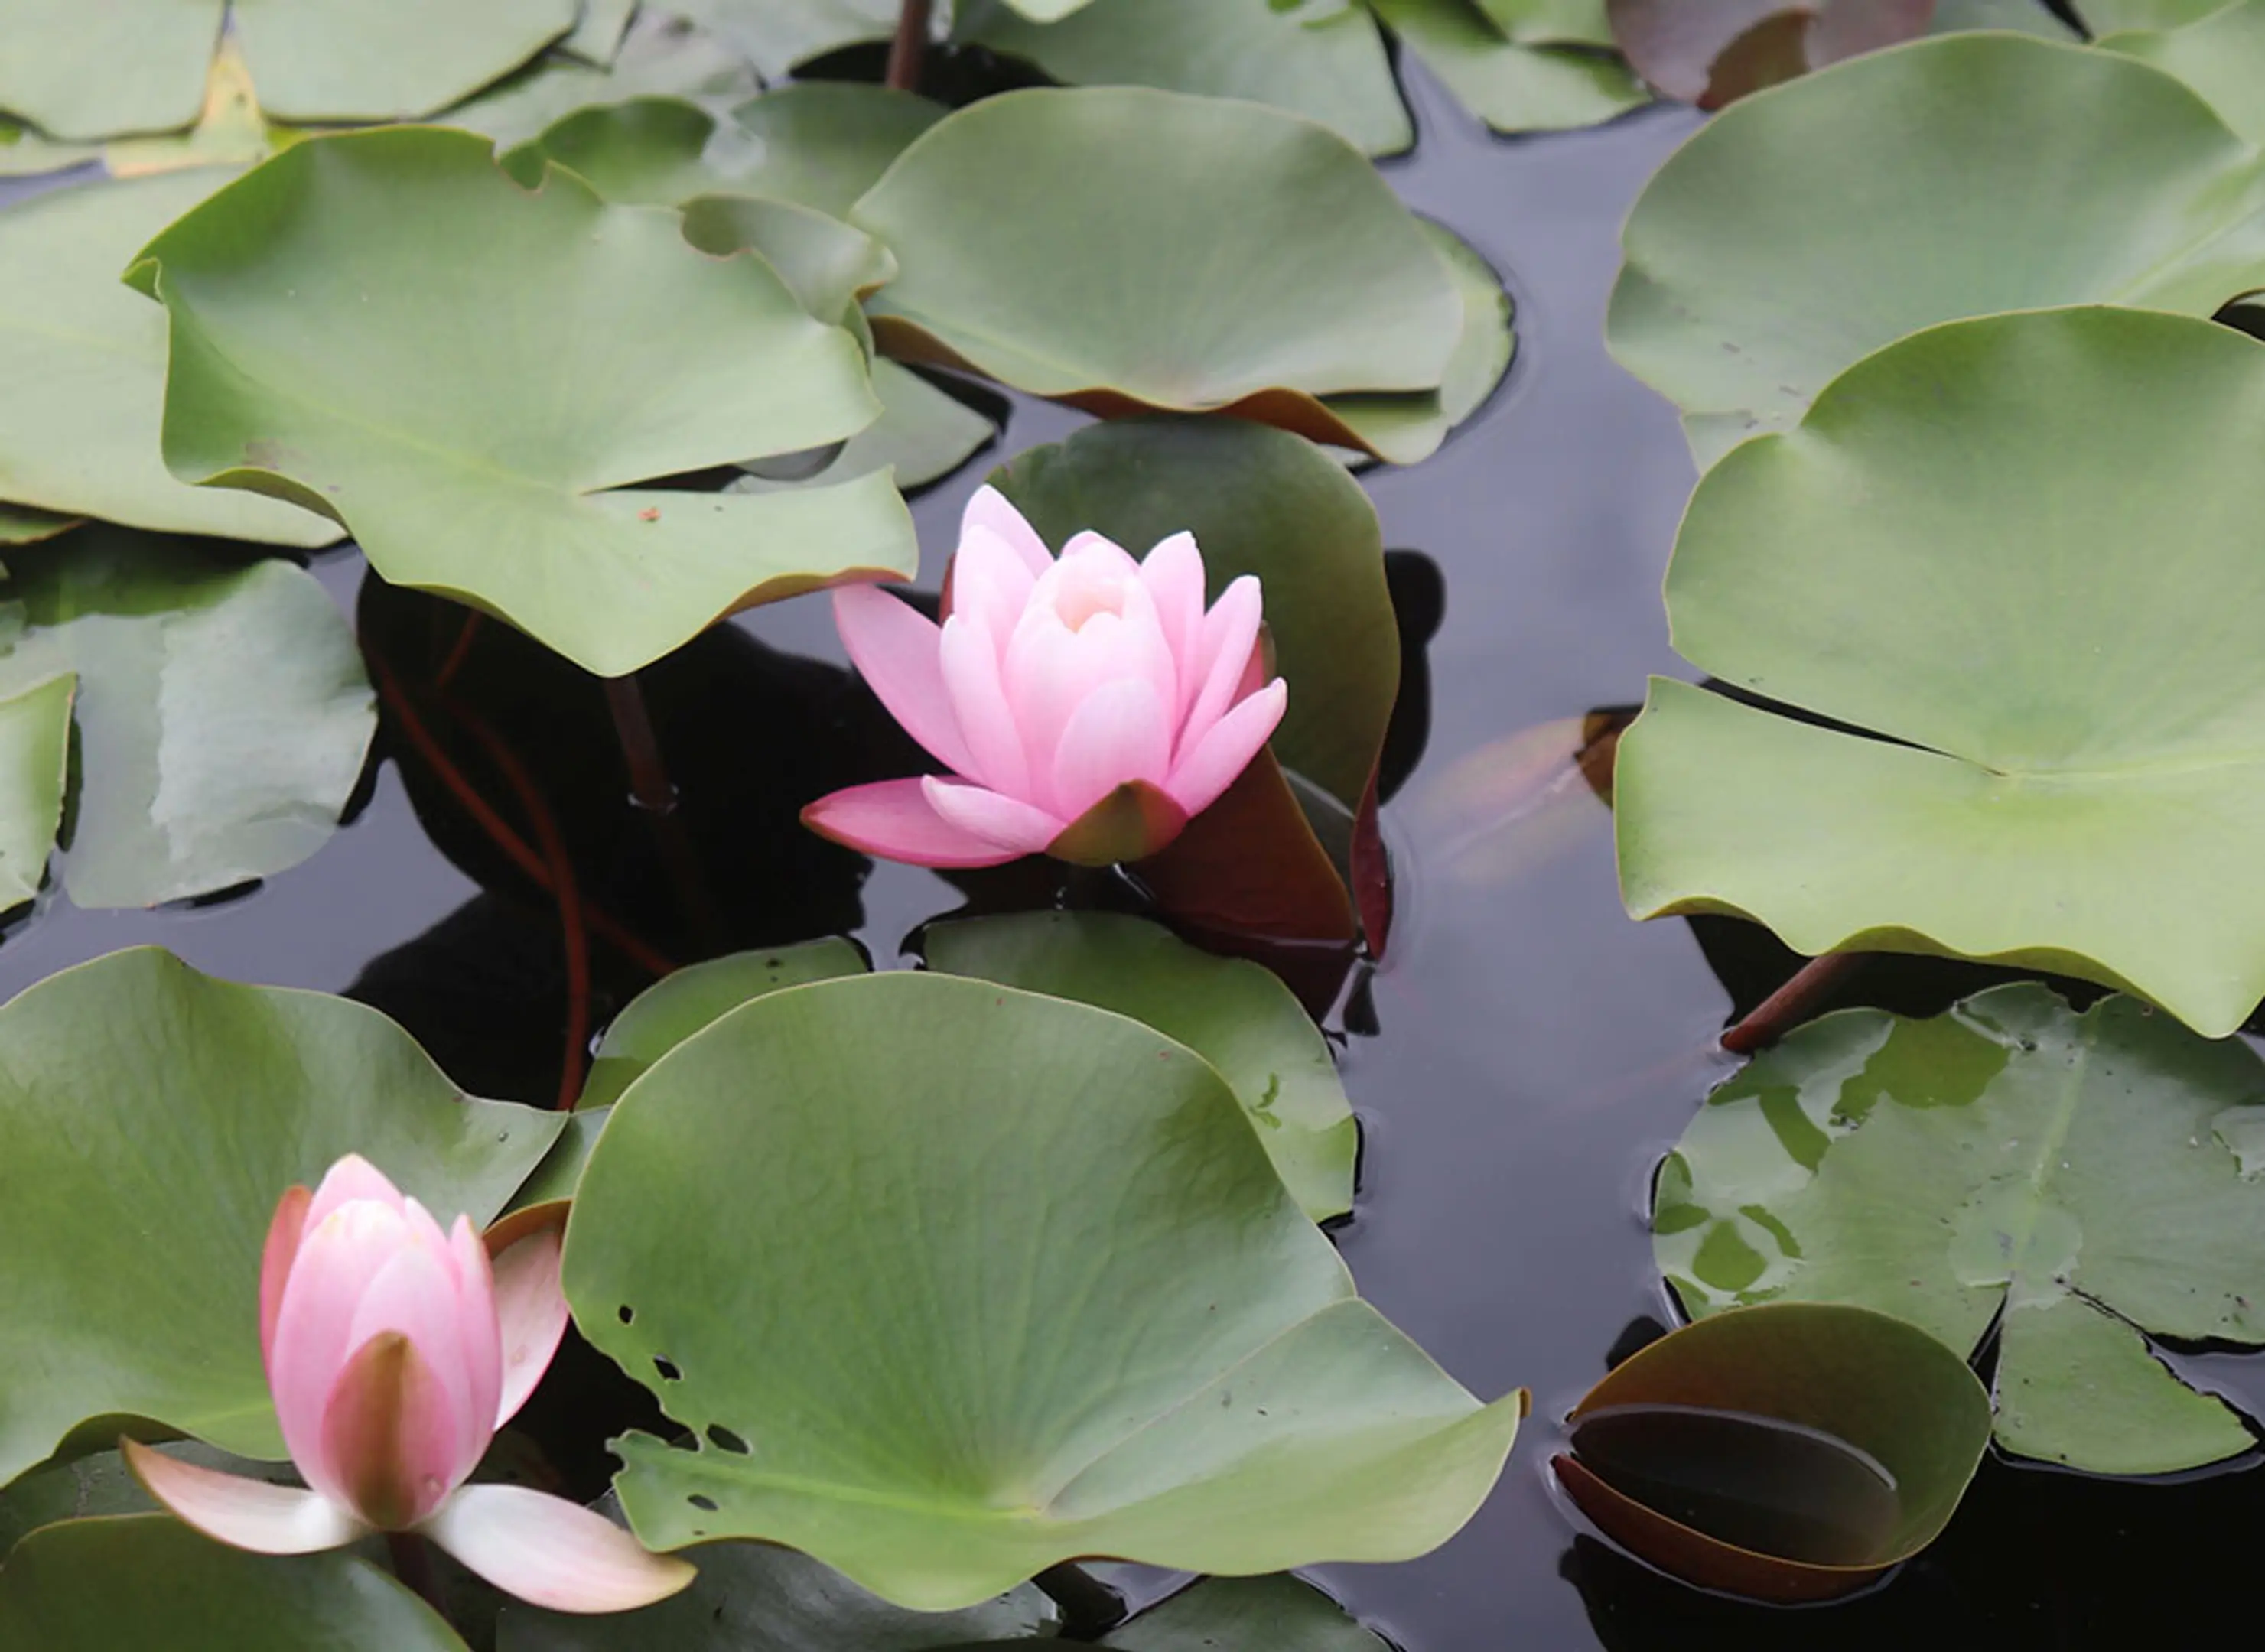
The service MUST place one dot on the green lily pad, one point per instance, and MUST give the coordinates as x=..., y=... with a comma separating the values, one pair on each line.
x=597, y=38
x=24, y=153
x=753, y=1597
x=1237, y=1015
x=1788, y=1452
x=2029, y=17
x=819, y=144
x=777, y=35
x=1404, y=428
x=1249, y=1614
x=661, y=56
x=827, y=265
x=1551, y=22
x=140, y=65
x=100, y=1484
x=1261, y=502
x=154, y=1116
x=1124, y=249
x=2010, y=1157
x=1799, y=232
x=922, y=435
x=21, y=524
x=1511, y=87
x=2085, y=771
x=2108, y=17
x=487, y=458
x=1330, y=68
x=1711, y=56
x=150, y=1581
x=223, y=711
x=35, y=723
x=1032, y=1291
x=2221, y=57
x=667, y=1013
x=80, y=434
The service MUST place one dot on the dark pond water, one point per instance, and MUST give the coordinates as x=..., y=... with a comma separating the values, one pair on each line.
x=1520, y=1063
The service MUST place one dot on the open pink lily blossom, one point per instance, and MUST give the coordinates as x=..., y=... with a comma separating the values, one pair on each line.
x=1087, y=706
x=394, y=1351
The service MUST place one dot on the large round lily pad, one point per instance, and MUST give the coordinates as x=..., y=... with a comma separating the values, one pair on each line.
x=222, y=712
x=1236, y=1014
x=139, y=65
x=1029, y=1289
x=154, y=1115
x=383, y=326
x=1121, y=248
x=1330, y=68
x=150, y=1581
x=1959, y=176
x=2091, y=1178
x=86, y=362
x=2026, y=548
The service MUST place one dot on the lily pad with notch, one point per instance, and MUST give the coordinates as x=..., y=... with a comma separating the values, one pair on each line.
x=1959, y=176
x=2040, y=609
x=1127, y=249
x=1512, y=85
x=1788, y=1452
x=2087, y=1185
x=1035, y=1291
x=383, y=326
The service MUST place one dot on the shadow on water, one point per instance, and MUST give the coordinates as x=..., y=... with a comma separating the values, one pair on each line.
x=1520, y=1060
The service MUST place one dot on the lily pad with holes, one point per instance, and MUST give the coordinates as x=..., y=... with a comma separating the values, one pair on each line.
x=1512, y=87
x=1034, y=1292
x=80, y=434
x=2080, y=1176
x=2053, y=641
x=154, y=1116
x=382, y=326
x=1124, y=249
x=61, y=1592
x=1955, y=176
x=1237, y=1015
x=818, y=143
x=2221, y=55
x=222, y=712
x=1331, y=69
x=667, y=1013
x=139, y=65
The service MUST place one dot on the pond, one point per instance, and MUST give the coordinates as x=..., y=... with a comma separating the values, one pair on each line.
x=1520, y=1061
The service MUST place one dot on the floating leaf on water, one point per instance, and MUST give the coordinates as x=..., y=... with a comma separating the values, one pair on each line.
x=383, y=326
x=923, y=434
x=2077, y=1181
x=2221, y=55
x=1233, y=1014
x=1510, y=86
x=1162, y=251
x=597, y=39
x=1713, y=54
x=1058, y=1230
x=661, y=56
x=2085, y=776
x=35, y=725
x=1331, y=69
x=1246, y=1614
x=778, y=35
x=1551, y=22
x=1790, y=1452
x=1801, y=232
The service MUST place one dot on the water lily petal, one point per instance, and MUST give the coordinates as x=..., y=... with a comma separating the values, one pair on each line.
x=531, y=1312
x=284, y=1233
x=551, y=1552
x=249, y=1514
x=895, y=648
x=1005, y=821
x=1229, y=632
x=415, y=1295
x=988, y=509
x=476, y=1314
x=990, y=577
x=1117, y=734
x=392, y=1435
x=894, y=820
x=1173, y=573
x=352, y=1177
x=979, y=702
x=338, y=1257
x=1226, y=748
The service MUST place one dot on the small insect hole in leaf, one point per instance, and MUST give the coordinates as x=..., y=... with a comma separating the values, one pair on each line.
x=668, y=1369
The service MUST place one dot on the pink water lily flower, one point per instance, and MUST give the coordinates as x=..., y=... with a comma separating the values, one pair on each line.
x=394, y=1353
x=1087, y=706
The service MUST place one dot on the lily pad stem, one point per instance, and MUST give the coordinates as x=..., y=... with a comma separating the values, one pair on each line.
x=656, y=795
x=1792, y=1003
x=909, y=50
x=1090, y=1608
x=413, y=1563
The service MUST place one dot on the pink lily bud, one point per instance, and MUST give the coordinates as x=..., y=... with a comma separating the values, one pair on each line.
x=394, y=1351
x=1087, y=706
